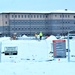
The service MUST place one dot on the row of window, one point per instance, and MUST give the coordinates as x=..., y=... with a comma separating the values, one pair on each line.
x=37, y=16
x=27, y=22
x=40, y=28
x=63, y=16
x=63, y=28
x=63, y=22
x=39, y=22
x=24, y=28
x=28, y=16
x=16, y=29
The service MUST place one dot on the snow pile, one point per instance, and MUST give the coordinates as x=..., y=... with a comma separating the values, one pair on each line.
x=24, y=36
x=51, y=38
x=4, y=38
x=62, y=37
x=49, y=42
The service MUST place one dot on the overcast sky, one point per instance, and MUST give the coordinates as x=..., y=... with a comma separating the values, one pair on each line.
x=36, y=5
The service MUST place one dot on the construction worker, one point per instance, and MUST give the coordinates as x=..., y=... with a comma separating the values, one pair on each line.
x=40, y=34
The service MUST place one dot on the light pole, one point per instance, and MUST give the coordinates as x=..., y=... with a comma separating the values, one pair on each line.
x=68, y=47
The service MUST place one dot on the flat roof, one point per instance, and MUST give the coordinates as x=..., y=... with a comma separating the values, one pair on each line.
x=55, y=11
x=62, y=11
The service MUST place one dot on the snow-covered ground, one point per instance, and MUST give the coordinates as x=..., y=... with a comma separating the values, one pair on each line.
x=37, y=68
x=33, y=58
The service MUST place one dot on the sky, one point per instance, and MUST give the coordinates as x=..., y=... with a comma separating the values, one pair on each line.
x=36, y=5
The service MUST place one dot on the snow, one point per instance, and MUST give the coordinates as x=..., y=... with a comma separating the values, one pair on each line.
x=24, y=36
x=28, y=49
x=49, y=41
x=37, y=68
x=54, y=11
x=32, y=58
x=4, y=38
x=51, y=38
x=62, y=11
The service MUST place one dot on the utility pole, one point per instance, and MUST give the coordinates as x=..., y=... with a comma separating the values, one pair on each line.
x=0, y=50
x=68, y=48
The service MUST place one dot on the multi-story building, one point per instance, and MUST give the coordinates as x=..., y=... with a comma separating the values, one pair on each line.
x=31, y=22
